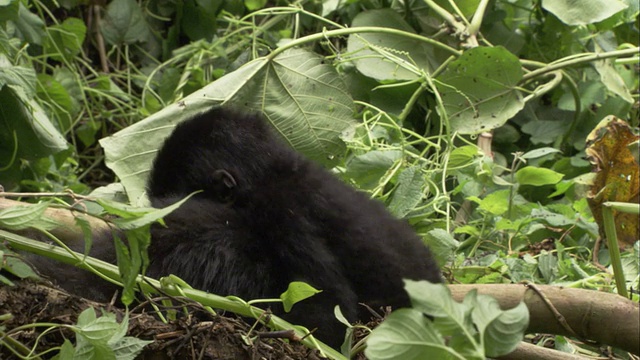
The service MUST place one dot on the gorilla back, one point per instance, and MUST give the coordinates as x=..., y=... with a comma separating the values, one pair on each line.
x=266, y=216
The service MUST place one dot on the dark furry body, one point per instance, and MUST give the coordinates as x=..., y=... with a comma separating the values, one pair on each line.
x=274, y=217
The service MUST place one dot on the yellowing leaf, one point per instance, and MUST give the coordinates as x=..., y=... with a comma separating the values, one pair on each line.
x=616, y=175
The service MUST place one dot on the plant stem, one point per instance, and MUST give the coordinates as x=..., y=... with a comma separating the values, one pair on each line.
x=573, y=60
x=614, y=251
x=361, y=30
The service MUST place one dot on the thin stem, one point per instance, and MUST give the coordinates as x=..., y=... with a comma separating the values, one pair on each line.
x=361, y=30
x=586, y=58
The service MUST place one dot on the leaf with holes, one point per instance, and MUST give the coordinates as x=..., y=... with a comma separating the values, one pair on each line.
x=479, y=90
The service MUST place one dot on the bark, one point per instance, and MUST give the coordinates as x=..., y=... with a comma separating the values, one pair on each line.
x=530, y=351
x=602, y=317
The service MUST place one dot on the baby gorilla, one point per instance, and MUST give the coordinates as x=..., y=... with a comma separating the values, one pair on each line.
x=266, y=216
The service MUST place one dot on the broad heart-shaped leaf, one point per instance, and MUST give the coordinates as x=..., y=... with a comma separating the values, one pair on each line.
x=496, y=203
x=304, y=99
x=580, y=12
x=100, y=329
x=368, y=48
x=479, y=89
x=435, y=300
x=367, y=169
x=451, y=318
x=406, y=334
x=65, y=40
x=124, y=23
x=27, y=25
x=502, y=330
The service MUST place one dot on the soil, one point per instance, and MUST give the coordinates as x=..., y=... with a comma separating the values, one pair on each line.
x=200, y=335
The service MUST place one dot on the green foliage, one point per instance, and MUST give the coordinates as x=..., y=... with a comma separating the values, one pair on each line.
x=474, y=329
x=310, y=110
x=587, y=13
x=102, y=338
x=11, y=264
x=468, y=121
x=296, y=292
x=479, y=91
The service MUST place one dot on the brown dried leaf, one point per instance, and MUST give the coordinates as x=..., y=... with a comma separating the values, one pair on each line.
x=616, y=175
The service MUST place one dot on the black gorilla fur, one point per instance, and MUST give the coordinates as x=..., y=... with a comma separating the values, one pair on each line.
x=267, y=217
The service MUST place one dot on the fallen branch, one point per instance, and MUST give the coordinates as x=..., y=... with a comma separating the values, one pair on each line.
x=601, y=317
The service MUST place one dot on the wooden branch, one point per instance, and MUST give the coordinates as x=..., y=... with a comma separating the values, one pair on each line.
x=603, y=317
x=66, y=219
x=530, y=351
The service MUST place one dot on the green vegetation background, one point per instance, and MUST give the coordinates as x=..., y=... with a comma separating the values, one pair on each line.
x=468, y=118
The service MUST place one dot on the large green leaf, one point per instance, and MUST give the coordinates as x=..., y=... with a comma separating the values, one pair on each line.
x=25, y=130
x=479, y=89
x=23, y=123
x=304, y=99
x=474, y=328
x=27, y=25
x=382, y=56
x=406, y=334
x=611, y=78
x=125, y=23
x=502, y=329
x=580, y=12
x=367, y=169
x=531, y=175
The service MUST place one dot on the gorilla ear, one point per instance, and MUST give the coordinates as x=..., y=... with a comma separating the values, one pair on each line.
x=223, y=185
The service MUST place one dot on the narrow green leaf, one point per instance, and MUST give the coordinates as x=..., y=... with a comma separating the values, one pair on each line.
x=534, y=154
x=22, y=217
x=537, y=176
x=18, y=268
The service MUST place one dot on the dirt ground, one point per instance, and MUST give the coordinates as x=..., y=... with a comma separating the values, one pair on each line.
x=198, y=336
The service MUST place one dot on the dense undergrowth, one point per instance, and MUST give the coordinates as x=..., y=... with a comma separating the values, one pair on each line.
x=469, y=119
